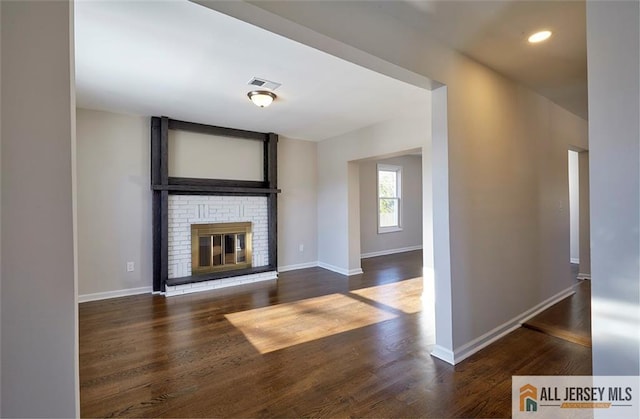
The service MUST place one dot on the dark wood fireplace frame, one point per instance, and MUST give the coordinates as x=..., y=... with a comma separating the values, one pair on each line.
x=163, y=185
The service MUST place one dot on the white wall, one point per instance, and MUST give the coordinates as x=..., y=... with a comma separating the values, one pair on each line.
x=353, y=218
x=114, y=201
x=297, y=204
x=506, y=169
x=441, y=281
x=39, y=307
x=339, y=223
x=613, y=63
x=584, y=270
x=411, y=207
x=0, y=210
x=574, y=208
x=114, y=189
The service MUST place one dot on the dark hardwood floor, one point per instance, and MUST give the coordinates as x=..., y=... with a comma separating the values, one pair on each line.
x=314, y=343
x=570, y=319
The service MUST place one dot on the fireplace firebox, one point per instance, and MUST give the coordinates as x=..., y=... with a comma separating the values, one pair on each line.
x=220, y=247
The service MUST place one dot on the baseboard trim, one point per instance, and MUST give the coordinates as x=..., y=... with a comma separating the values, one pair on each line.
x=113, y=294
x=443, y=353
x=332, y=268
x=476, y=345
x=584, y=276
x=468, y=349
x=297, y=266
x=341, y=271
x=574, y=260
x=390, y=251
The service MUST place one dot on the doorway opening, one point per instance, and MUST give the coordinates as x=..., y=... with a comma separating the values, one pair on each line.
x=391, y=204
x=574, y=211
x=579, y=214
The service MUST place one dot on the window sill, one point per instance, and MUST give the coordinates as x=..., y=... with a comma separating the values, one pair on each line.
x=383, y=230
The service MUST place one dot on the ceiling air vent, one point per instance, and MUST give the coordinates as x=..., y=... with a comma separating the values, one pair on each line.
x=263, y=83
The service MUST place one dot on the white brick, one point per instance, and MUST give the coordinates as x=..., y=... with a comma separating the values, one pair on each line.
x=185, y=210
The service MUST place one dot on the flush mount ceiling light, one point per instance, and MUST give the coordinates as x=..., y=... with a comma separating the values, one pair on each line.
x=539, y=37
x=262, y=98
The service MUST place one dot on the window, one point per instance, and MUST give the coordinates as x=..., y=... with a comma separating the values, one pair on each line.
x=389, y=191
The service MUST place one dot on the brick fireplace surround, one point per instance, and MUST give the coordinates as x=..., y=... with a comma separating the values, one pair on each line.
x=185, y=210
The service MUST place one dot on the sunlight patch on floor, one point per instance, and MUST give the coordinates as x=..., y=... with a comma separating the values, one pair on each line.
x=403, y=295
x=277, y=327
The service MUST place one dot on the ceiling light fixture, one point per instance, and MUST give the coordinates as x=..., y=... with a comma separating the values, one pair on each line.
x=539, y=37
x=262, y=98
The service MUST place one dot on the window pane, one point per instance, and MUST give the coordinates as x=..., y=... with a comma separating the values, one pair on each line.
x=389, y=213
x=387, y=185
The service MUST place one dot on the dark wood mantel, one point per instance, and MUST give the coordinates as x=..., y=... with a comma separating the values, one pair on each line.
x=162, y=185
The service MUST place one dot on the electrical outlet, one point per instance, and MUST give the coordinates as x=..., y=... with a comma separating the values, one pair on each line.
x=301, y=248
x=131, y=266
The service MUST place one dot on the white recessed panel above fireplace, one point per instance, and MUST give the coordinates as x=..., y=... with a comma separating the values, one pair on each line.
x=208, y=156
x=185, y=210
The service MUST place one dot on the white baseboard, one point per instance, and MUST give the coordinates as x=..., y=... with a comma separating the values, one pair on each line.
x=465, y=351
x=390, y=251
x=113, y=294
x=491, y=336
x=546, y=304
x=341, y=271
x=575, y=260
x=583, y=276
x=297, y=266
x=443, y=354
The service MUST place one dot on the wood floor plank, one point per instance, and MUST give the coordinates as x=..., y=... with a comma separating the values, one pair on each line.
x=147, y=356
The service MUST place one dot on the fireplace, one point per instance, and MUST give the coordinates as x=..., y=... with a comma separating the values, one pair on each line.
x=211, y=232
x=220, y=247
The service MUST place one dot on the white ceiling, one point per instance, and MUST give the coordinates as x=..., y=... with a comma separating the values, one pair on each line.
x=495, y=33
x=185, y=61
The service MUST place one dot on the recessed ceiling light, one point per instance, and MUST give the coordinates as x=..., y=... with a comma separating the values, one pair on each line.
x=539, y=37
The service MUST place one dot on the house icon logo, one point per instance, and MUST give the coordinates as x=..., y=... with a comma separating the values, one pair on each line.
x=528, y=398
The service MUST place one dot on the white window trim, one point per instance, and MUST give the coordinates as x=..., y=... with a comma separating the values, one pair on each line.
x=398, y=170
